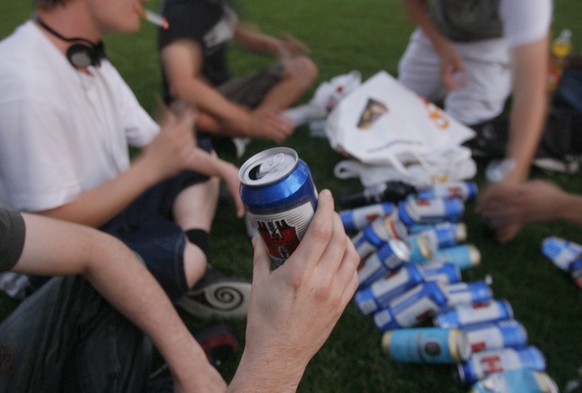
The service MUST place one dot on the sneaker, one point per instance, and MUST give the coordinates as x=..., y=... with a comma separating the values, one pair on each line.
x=216, y=295
x=218, y=342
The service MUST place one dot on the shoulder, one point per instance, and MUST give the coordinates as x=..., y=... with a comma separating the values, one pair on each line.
x=525, y=21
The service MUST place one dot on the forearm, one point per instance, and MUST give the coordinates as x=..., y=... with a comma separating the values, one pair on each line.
x=418, y=12
x=569, y=208
x=256, y=374
x=97, y=206
x=256, y=41
x=129, y=287
x=529, y=106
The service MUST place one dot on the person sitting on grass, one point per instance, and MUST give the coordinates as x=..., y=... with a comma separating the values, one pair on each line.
x=72, y=335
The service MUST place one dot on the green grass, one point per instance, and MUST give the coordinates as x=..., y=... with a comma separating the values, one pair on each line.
x=370, y=36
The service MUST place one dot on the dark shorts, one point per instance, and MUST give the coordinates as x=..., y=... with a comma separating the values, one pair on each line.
x=251, y=89
x=147, y=227
x=12, y=232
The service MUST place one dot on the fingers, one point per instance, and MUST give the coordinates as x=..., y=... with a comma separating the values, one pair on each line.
x=318, y=234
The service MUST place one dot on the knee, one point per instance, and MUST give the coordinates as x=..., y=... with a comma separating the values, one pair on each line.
x=303, y=70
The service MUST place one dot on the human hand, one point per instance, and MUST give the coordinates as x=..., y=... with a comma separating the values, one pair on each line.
x=512, y=205
x=294, y=308
x=171, y=150
x=289, y=47
x=231, y=178
x=452, y=68
x=271, y=125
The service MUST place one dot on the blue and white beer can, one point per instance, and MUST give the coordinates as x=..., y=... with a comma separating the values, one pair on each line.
x=466, y=315
x=411, y=308
x=502, y=334
x=484, y=363
x=463, y=293
x=465, y=256
x=521, y=380
x=561, y=252
x=376, y=234
x=382, y=291
x=280, y=197
x=356, y=219
x=413, y=211
x=426, y=345
x=390, y=257
x=446, y=273
x=464, y=190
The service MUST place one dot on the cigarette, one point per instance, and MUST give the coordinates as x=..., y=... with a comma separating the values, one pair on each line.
x=154, y=18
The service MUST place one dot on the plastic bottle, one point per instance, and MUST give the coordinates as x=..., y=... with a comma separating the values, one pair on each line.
x=560, y=49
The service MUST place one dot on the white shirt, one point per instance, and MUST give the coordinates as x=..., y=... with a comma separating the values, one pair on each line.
x=62, y=131
x=525, y=21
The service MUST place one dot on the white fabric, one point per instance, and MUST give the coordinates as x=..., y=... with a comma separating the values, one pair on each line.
x=393, y=134
x=61, y=131
x=486, y=63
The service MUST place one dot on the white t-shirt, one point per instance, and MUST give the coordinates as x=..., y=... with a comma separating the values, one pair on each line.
x=62, y=131
x=525, y=21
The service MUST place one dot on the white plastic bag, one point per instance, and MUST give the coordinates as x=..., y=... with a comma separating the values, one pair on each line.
x=394, y=134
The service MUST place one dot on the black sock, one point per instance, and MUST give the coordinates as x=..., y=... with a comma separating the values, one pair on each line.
x=199, y=237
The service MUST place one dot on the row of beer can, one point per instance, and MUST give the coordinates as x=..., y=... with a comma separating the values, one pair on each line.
x=410, y=275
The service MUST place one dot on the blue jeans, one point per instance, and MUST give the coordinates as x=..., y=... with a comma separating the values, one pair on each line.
x=66, y=338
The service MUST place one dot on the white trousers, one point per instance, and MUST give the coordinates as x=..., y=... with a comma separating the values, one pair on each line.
x=488, y=79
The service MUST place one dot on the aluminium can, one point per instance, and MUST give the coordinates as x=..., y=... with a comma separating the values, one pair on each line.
x=561, y=252
x=460, y=293
x=376, y=234
x=465, y=256
x=414, y=211
x=464, y=190
x=466, y=315
x=390, y=257
x=497, y=335
x=378, y=295
x=484, y=363
x=356, y=219
x=446, y=273
x=521, y=380
x=427, y=345
x=280, y=197
x=412, y=307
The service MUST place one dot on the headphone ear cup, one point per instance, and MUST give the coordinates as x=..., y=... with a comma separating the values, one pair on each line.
x=81, y=56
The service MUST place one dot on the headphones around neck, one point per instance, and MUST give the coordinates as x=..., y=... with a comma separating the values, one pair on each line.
x=83, y=53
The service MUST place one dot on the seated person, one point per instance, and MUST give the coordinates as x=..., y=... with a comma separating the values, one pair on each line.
x=193, y=53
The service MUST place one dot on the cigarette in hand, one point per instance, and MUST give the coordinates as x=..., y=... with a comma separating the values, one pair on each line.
x=154, y=18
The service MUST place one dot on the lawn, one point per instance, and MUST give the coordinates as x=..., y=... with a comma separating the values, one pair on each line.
x=368, y=37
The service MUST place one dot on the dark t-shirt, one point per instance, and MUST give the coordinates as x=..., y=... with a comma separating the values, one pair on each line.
x=207, y=23
x=468, y=20
x=12, y=233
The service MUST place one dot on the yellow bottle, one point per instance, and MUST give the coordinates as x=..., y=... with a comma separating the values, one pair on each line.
x=560, y=49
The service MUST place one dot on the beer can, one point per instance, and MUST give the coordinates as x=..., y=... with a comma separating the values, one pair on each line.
x=376, y=234
x=446, y=273
x=465, y=256
x=484, y=363
x=390, y=257
x=413, y=211
x=521, y=380
x=356, y=219
x=464, y=190
x=561, y=252
x=466, y=315
x=461, y=293
x=412, y=307
x=423, y=246
x=426, y=345
x=280, y=198
x=379, y=294
x=497, y=335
